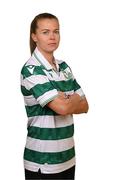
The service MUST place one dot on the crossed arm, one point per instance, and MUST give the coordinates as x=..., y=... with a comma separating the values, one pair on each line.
x=74, y=104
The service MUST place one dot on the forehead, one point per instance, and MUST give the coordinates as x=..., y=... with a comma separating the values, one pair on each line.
x=47, y=24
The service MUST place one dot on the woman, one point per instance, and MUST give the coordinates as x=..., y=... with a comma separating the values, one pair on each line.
x=52, y=96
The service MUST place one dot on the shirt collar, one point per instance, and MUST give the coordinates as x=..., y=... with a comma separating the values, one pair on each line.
x=43, y=61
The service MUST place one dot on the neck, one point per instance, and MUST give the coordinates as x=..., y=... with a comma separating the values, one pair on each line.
x=48, y=56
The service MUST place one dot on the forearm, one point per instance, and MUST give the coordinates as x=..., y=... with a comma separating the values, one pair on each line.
x=65, y=105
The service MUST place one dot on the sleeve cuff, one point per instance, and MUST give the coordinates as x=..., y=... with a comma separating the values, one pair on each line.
x=80, y=92
x=47, y=97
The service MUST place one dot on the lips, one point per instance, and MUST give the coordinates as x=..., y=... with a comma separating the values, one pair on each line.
x=52, y=44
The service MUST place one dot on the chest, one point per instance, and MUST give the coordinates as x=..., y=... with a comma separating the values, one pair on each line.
x=62, y=80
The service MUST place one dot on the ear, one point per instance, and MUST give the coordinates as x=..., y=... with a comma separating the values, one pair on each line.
x=34, y=37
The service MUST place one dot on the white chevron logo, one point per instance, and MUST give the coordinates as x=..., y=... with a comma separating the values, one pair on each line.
x=31, y=69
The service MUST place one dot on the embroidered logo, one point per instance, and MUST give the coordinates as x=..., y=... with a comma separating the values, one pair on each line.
x=67, y=73
x=31, y=68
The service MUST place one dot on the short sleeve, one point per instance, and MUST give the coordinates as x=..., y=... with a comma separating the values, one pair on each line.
x=76, y=86
x=40, y=87
x=78, y=89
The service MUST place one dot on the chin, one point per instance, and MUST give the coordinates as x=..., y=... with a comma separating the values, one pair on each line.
x=50, y=50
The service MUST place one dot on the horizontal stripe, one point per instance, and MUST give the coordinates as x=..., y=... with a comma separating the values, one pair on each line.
x=35, y=79
x=37, y=110
x=30, y=101
x=63, y=85
x=51, y=133
x=59, y=83
x=49, y=168
x=49, y=145
x=50, y=158
x=50, y=121
x=39, y=90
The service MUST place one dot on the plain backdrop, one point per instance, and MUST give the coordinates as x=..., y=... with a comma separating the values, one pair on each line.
x=90, y=44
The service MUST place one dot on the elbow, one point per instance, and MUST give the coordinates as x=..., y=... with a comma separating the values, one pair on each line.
x=86, y=107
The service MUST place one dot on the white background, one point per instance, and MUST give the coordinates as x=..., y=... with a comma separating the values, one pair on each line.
x=90, y=44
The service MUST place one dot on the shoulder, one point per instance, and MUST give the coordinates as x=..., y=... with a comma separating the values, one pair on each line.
x=31, y=68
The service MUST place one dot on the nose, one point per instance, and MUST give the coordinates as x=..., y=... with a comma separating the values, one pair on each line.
x=52, y=35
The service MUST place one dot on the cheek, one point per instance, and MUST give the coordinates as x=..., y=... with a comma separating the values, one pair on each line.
x=58, y=41
x=57, y=38
x=42, y=41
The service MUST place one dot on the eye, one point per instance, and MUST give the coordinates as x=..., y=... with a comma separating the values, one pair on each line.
x=45, y=32
x=57, y=32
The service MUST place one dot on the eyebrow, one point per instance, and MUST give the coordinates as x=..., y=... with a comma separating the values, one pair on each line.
x=49, y=30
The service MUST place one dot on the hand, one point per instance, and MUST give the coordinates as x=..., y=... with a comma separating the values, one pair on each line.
x=61, y=95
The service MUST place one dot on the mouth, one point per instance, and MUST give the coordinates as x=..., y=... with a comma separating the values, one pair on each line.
x=52, y=44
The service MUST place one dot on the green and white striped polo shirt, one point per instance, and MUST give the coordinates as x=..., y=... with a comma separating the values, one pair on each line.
x=49, y=144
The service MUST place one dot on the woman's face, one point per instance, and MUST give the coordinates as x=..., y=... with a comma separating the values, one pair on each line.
x=47, y=35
